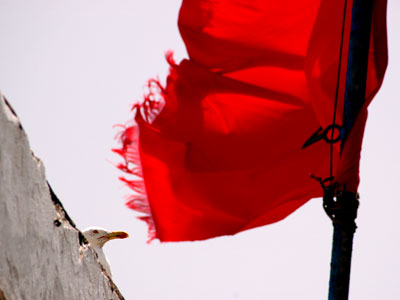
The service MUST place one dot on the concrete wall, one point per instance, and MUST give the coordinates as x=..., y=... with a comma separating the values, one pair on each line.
x=42, y=254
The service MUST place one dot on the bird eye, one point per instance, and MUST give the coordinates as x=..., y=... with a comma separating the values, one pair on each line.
x=95, y=231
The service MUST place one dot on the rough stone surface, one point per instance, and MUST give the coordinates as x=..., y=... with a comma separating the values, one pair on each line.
x=42, y=254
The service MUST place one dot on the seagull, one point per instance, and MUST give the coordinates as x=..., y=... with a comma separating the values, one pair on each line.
x=97, y=237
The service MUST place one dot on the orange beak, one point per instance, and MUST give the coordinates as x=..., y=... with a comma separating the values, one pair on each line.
x=116, y=235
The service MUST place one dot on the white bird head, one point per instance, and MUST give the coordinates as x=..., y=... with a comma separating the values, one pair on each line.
x=97, y=237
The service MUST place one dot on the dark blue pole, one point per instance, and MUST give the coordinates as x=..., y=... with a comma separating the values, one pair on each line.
x=343, y=212
x=343, y=209
x=357, y=63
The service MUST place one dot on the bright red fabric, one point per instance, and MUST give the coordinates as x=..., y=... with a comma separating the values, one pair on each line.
x=221, y=151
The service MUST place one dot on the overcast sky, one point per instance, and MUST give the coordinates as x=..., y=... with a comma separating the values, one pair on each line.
x=72, y=68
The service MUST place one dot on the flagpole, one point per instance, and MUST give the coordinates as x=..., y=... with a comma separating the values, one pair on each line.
x=343, y=210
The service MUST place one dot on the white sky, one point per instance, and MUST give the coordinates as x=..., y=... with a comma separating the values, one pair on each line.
x=72, y=68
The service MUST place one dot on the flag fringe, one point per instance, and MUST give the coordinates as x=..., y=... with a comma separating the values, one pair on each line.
x=147, y=111
x=128, y=138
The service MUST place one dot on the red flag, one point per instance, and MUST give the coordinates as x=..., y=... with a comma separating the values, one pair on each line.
x=232, y=141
